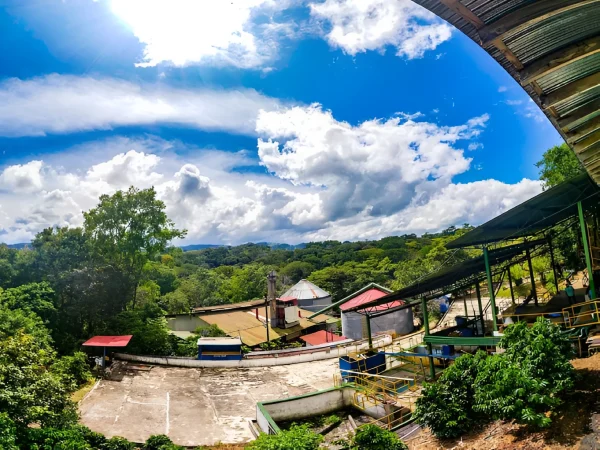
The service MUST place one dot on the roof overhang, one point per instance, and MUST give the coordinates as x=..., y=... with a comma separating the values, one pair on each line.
x=551, y=48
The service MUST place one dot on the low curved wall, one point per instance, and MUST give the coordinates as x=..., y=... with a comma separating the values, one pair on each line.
x=274, y=359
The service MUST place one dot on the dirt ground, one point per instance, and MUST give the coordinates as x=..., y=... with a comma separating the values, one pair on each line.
x=194, y=406
x=576, y=425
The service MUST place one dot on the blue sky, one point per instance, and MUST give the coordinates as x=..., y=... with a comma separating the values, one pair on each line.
x=284, y=121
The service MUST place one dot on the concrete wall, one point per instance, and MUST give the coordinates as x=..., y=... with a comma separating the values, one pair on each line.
x=185, y=323
x=301, y=407
x=399, y=322
x=312, y=354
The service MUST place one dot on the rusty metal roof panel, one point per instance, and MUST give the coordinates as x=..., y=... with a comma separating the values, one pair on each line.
x=541, y=38
x=572, y=72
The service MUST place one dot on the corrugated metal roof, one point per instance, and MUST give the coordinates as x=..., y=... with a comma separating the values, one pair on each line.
x=108, y=341
x=252, y=331
x=552, y=48
x=305, y=290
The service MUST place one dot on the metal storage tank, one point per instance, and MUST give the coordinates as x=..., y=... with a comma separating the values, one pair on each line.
x=310, y=296
x=354, y=325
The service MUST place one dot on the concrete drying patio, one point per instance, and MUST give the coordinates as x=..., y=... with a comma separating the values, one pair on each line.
x=195, y=406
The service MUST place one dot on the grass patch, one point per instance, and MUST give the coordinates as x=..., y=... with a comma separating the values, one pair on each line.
x=78, y=395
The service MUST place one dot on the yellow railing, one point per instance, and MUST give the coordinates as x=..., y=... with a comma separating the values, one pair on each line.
x=394, y=419
x=582, y=314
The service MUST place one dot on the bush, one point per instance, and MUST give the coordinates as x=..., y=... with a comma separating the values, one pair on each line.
x=446, y=407
x=524, y=384
x=8, y=433
x=56, y=439
x=74, y=370
x=118, y=443
x=371, y=437
x=296, y=438
x=157, y=442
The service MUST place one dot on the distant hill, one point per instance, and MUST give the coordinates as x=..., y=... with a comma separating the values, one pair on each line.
x=187, y=248
x=19, y=245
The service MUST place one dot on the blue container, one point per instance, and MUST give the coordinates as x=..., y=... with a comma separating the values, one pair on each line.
x=461, y=321
x=373, y=364
x=466, y=332
x=443, y=308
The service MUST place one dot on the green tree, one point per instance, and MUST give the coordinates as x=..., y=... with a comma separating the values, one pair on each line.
x=74, y=370
x=371, y=437
x=127, y=229
x=558, y=164
x=39, y=298
x=297, y=270
x=446, y=407
x=298, y=437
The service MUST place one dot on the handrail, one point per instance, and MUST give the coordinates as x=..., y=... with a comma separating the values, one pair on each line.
x=571, y=316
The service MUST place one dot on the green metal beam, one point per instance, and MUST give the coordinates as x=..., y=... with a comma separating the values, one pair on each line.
x=551, y=248
x=350, y=297
x=532, y=277
x=512, y=293
x=586, y=249
x=480, y=308
x=426, y=326
x=488, y=273
x=457, y=340
x=370, y=337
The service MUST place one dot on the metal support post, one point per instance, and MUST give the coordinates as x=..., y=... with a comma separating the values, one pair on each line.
x=465, y=305
x=488, y=273
x=586, y=249
x=369, y=331
x=551, y=248
x=429, y=347
x=512, y=293
x=480, y=308
x=532, y=276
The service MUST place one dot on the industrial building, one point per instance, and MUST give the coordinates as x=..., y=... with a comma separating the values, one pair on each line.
x=310, y=296
x=223, y=348
x=356, y=325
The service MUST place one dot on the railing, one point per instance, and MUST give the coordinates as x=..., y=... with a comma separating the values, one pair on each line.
x=393, y=420
x=582, y=314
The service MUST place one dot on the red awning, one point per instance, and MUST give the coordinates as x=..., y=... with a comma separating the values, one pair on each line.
x=108, y=341
x=367, y=297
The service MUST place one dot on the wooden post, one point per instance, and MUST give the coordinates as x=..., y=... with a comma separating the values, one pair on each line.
x=488, y=273
x=586, y=249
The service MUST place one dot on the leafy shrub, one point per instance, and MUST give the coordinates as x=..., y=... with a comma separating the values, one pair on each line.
x=333, y=419
x=8, y=433
x=56, y=439
x=298, y=437
x=118, y=443
x=74, y=370
x=446, y=407
x=157, y=442
x=371, y=437
x=524, y=384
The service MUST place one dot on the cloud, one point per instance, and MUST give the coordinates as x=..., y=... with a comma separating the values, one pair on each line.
x=356, y=26
x=325, y=179
x=66, y=104
x=22, y=178
x=502, y=89
x=474, y=146
x=243, y=34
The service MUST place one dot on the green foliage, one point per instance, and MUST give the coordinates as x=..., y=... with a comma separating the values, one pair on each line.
x=525, y=383
x=36, y=297
x=558, y=164
x=298, y=437
x=211, y=330
x=8, y=433
x=157, y=442
x=371, y=437
x=446, y=407
x=74, y=370
x=297, y=270
x=149, y=330
x=118, y=443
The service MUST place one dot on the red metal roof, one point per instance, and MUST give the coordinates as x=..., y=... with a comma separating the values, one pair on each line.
x=287, y=299
x=108, y=341
x=321, y=337
x=369, y=296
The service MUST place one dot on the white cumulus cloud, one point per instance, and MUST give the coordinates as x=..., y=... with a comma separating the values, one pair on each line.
x=66, y=103
x=356, y=26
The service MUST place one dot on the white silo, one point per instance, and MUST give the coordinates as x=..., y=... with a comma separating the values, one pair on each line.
x=310, y=296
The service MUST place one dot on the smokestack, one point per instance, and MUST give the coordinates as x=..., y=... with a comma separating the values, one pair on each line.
x=272, y=296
